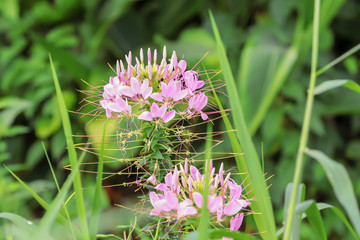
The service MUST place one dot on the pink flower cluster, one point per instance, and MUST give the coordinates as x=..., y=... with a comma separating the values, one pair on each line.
x=182, y=196
x=152, y=91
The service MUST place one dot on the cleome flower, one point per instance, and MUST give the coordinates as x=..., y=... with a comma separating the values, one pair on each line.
x=136, y=88
x=181, y=196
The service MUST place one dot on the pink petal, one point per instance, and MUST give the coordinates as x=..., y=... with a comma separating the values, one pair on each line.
x=186, y=211
x=155, y=110
x=233, y=207
x=198, y=199
x=204, y=116
x=195, y=173
x=180, y=95
x=127, y=91
x=235, y=222
x=168, y=179
x=145, y=116
x=110, y=90
x=172, y=200
x=182, y=65
x=199, y=84
x=135, y=85
x=153, y=198
x=163, y=205
x=162, y=111
x=168, y=116
x=157, y=96
x=147, y=92
x=214, y=204
x=162, y=187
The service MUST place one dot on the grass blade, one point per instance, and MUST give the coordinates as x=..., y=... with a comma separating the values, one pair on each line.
x=331, y=84
x=265, y=220
x=50, y=215
x=96, y=205
x=72, y=154
x=339, y=59
x=341, y=184
x=204, y=218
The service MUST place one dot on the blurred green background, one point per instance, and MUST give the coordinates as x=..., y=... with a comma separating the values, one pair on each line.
x=84, y=35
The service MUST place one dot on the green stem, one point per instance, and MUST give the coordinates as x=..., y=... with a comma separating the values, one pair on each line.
x=306, y=124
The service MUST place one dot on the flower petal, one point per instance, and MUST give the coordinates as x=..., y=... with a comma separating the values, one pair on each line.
x=168, y=116
x=145, y=116
x=198, y=199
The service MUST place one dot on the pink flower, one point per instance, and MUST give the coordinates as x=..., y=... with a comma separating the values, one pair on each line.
x=170, y=93
x=137, y=89
x=119, y=105
x=185, y=209
x=197, y=103
x=191, y=81
x=157, y=113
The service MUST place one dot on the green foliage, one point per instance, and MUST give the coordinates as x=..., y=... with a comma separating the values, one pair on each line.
x=267, y=45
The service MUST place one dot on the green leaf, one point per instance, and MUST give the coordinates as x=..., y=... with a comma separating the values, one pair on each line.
x=313, y=214
x=25, y=226
x=265, y=219
x=72, y=155
x=331, y=84
x=341, y=184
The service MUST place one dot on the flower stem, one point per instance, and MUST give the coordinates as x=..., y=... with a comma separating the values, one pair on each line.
x=306, y=124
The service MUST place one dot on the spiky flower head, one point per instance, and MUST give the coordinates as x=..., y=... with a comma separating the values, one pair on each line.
x=181, y=196
x=152, y=91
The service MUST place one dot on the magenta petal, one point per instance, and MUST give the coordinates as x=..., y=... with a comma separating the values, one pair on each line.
x=155, y=110
x=180, y=95
x=233, y=207
x=186, y=211
x=162, y=187
x=169, y=115
x=235, y=222
x=198, y=199
x=215, y=204
x=157, y=96
x=110, y=90
x=182, y=65
x=145, y=116
x=147, y=92
x=135, y=85
x=163, y=205
x=168, y=179
x=172, y=200
x=127, y=91
x=199, y=84
x=195, y=173
x=153, y=198
x=162, y=111
x=144, y=86
x=204, y=116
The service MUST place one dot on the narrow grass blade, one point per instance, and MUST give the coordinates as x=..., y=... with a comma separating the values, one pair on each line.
x=96, y=205
x=41, y=201
x=341, y=184
x=72, y=154
x=204, y=218
x=50, y=215
x=339, y=59
x=265, y=219
x=64, y=210
x=331, y=84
